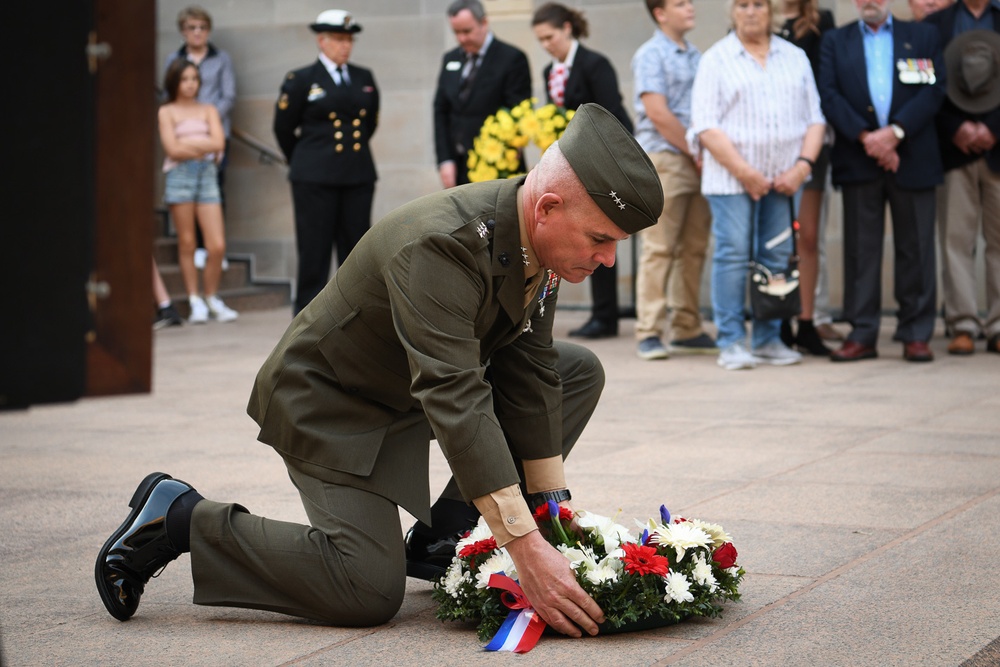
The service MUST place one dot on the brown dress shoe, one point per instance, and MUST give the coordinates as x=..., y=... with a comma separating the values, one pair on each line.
x=828, y=332
x=917, y=350
x=853, y=351
x=962, y=344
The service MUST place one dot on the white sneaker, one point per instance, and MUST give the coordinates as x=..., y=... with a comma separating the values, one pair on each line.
x=736, y=357
x=201, y=256
x=776, y=353
x=219, y=310
x=199, y=311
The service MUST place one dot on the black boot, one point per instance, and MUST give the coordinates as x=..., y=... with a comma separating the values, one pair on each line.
x=141, y=546
x=809, y=340
x=430, y=550
x=787, y=337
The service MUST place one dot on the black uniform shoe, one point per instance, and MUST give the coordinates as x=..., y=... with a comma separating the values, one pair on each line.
x=596, y=329
x=428, y=558
x=140, y=548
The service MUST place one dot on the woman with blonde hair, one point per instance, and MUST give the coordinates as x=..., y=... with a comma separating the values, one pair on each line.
x=193, y=140
x=756, y=111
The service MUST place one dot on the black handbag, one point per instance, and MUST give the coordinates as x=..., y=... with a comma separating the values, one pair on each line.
x=775, y=296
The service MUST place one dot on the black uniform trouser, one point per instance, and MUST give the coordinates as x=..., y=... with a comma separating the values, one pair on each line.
x=914, y=274
x=604, y=292
x=326, y=216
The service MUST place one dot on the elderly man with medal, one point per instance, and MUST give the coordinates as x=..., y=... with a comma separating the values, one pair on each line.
x=438, y=326
x=324, y=118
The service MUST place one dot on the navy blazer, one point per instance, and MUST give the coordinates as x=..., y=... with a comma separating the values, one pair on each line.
x=951, y=117
x=323, y=129
x=502, y=80
x=591, y=79
x=847, y=105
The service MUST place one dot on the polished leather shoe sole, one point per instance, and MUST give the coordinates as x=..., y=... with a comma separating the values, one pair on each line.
x=867, y=353
x=118, y=584
x=427, y=558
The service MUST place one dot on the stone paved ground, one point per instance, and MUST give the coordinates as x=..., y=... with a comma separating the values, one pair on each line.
x=863, y=499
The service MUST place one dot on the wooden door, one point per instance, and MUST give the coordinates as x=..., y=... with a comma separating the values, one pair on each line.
x=76, y=226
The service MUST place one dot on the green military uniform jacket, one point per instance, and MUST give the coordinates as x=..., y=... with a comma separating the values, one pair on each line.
x=397, y=349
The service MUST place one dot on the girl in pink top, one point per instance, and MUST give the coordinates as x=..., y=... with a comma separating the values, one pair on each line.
x=192, y=137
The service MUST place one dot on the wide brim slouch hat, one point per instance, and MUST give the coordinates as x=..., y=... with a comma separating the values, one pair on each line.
x=616, y=172
x=972, y=64
x=335, y=20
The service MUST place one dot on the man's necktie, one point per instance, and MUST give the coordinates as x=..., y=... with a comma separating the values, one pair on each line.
x=344, y=78
x=466, y=88
x=557, y=83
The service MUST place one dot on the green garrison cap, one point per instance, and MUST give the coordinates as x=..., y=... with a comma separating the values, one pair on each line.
x=613, y=168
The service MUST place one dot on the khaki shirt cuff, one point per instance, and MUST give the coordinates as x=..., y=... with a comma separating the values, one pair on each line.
x=506, y=513
x=544, y=474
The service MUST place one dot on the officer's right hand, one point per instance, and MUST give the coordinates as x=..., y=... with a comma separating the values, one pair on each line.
x=547, y=579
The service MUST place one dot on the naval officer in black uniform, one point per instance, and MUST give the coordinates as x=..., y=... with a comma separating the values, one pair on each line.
x=323, y=120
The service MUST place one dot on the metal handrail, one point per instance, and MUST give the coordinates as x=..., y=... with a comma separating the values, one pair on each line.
x=266, y=154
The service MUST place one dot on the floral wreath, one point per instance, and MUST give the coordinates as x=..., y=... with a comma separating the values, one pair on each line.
x=675, y=568
x=498, y=150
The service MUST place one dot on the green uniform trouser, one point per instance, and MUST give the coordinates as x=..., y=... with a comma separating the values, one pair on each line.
x=347, y=567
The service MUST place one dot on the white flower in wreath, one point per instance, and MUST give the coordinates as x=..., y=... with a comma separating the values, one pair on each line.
x=606, y=570
x=716, y=532
x=678, y=588
x=455, y=577
x=681, y=536
x=577, y=557
x=613, y=534
x=499, y=562
x=702, y=574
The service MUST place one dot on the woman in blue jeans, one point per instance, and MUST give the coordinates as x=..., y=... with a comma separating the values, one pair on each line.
x=756, y=112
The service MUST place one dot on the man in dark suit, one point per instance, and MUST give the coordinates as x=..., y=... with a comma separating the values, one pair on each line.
x=323, y=120
x=968, y=128
x=881, y=82
x=477, y=78
x=438, y=325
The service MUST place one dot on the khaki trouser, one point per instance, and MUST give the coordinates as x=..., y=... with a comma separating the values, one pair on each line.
x=673, y=253
x=969, y=197
x=347, y=567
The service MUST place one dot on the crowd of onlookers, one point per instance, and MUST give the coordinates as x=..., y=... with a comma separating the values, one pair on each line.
x=746, y=138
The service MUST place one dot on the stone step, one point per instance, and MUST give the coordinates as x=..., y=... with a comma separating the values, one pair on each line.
x=245, y=299
x=237, y=287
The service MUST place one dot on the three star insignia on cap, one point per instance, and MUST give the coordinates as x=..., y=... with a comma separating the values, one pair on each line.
x=618, y=201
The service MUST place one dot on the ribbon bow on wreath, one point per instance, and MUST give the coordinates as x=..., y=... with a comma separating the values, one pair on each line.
x=523, y=626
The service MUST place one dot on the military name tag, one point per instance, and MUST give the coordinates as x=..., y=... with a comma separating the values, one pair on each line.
x=316, y=93
x=454, y=65
x=916, y=71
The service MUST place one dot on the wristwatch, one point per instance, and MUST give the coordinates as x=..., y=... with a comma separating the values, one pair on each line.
x=536, y=500
x=898, y=131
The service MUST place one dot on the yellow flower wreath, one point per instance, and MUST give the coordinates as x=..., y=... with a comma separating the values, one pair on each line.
x=496, y=152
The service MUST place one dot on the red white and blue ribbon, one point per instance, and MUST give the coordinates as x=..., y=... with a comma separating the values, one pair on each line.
x=523, y=626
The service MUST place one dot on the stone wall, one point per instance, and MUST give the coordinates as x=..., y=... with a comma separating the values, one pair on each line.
x=402, y=42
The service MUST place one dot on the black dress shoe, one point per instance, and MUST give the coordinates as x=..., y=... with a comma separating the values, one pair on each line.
x=808, y=340
x=428, y=558
x=140, y=547
x=596, y=329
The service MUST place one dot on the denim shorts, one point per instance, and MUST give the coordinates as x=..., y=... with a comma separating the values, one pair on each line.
x=193, y=181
